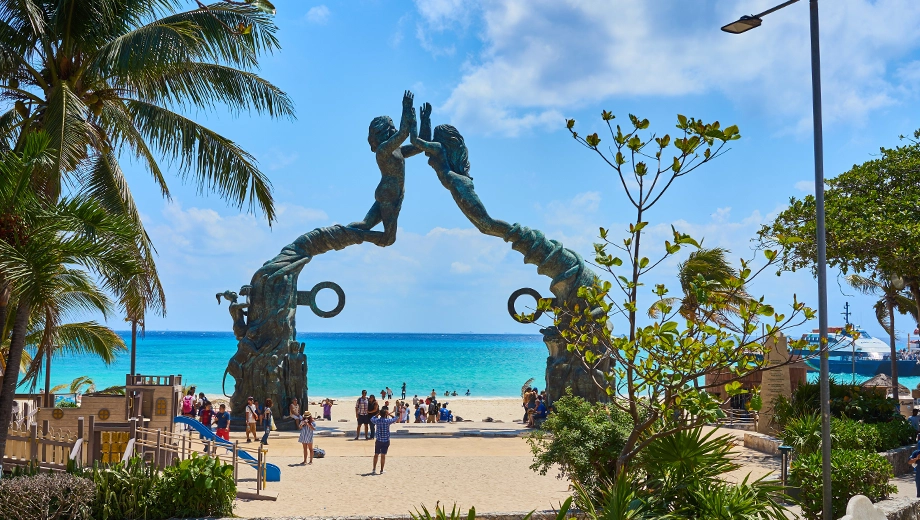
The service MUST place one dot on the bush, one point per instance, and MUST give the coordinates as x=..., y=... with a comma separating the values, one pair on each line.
x=855, y=402
x=896, y=433
x=199, y=486
x=854, y=435
x=583, y=438
x=46, y=496
x=853, y=473
x=803, y=434
x=126, y=491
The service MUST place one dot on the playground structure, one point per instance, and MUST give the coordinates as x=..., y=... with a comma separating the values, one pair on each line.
x=104, y=430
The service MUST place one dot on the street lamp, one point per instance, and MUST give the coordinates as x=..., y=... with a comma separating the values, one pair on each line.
x=744, y=24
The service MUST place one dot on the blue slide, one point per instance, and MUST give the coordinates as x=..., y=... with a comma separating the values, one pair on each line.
x=272, y=472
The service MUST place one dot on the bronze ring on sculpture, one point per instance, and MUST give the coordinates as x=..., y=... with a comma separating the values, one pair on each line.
x=338, y=291
x=517, y=294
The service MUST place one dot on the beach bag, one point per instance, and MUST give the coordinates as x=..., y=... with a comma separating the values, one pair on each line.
x=273, y=427
x=318, y=452
x=187, y=404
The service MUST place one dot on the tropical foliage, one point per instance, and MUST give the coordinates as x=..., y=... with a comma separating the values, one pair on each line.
x=654, y=371
x=872, y=210
x=854, y=472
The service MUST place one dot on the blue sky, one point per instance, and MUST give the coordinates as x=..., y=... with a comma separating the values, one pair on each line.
x=507, y=74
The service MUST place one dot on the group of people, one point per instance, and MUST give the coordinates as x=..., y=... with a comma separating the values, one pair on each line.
x=428, y=410
x=200, y=408
x=535, y=410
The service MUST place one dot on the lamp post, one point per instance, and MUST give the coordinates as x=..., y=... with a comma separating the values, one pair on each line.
x=745, y=24
x=896, y=285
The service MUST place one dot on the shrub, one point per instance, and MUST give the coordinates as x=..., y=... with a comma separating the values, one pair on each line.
x=46, y=496
x=583, y=438
x=126, y=491
x=896, y=433
x=199, y=486
x=803, y=434
x=854, y=435
x=855, y=402
x=853, y=473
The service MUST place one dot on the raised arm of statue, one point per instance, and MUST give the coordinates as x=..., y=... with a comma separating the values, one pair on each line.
x=424, y=132
x=405, y=122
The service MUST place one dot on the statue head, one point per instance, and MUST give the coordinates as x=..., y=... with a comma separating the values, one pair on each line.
x=381, y=129
x=454, y=148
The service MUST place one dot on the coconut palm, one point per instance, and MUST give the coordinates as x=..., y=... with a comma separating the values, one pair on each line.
x=106, y=78
x=51, y=255
x=893, y=297
x=710, y=286
x=74, y=386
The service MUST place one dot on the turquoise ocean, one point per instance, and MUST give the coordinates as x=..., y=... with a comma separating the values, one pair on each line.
x=340, y=364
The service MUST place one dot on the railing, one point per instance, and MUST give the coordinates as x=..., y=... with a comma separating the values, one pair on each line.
x=738, y=418
x=162, y=449
x=142, y=380
x=48, y=448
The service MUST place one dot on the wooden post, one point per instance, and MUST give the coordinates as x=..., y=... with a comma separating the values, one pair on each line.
x=80, y=432
x=33, y=444
x=157, y=452
x=91, y=442
x=236, y=448
x=44, y=447
x=259, y=471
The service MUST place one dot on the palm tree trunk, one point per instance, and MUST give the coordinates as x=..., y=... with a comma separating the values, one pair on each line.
x=11, y=374
x=48, y=401
x=894, y=355
x=133, y=346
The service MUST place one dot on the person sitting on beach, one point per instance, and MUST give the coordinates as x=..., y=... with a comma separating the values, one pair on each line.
x=446, y=416
x=327, y=409
x=382, y=444
x=537, y=414
x=307, y=427
x=294, y=409
x=454, y=393
x=223, y=423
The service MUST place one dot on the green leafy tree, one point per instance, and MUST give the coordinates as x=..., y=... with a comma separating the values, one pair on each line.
x=872, y=211
x=51, y=254
x=892, y=298
x=657, y=368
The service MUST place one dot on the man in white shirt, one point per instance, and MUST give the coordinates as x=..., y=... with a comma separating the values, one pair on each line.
x=252, y=414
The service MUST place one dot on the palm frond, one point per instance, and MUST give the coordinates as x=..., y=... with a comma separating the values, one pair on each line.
x=216, y=163
x=65, y=122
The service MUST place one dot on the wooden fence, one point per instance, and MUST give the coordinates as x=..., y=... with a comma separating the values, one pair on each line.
x=47, y=447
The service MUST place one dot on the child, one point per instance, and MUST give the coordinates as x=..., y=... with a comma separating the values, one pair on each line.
x=385, y=142
x=307, y=426
x=223, y=422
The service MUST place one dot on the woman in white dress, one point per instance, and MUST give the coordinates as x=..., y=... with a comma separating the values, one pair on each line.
x=307, y=427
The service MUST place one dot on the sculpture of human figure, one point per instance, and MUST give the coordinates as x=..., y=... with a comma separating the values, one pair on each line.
x=385, y=142
x=448, y=156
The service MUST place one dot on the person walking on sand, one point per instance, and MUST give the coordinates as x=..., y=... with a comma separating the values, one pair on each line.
x=223, y=423
x=307, y=427
x=252, y=414
x=404, y=391
x=267, y=420
x=389, y=394
x=382, y=444
x=327, y=409
x=361, y=415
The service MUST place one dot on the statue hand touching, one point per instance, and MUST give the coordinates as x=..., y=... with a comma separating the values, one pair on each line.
x=425, y=111
x=408, y=98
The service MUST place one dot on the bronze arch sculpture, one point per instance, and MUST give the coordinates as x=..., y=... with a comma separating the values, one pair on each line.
x=270, y=362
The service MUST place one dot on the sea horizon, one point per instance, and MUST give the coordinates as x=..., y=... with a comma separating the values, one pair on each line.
x=340, y=364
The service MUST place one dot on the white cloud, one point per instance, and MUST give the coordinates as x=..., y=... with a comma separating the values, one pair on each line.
x=806, y=186
x=318, y=14
x=460, y=267
x=541, y=58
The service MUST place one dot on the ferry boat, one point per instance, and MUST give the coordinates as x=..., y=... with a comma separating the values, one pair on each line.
x=865, y=355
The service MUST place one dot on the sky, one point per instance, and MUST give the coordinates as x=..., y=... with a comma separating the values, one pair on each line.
x=507, y=74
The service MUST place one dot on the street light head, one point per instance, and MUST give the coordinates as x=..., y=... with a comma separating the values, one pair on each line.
x=745, y=23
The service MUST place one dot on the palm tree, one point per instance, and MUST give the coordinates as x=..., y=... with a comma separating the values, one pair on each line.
x=893, y=297
x=51, y=255
x=105, y=78
x=77, y=338
x=75, y=386
x=710, y=286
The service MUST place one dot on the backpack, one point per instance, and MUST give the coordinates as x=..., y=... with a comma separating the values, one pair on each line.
x=187, y=404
